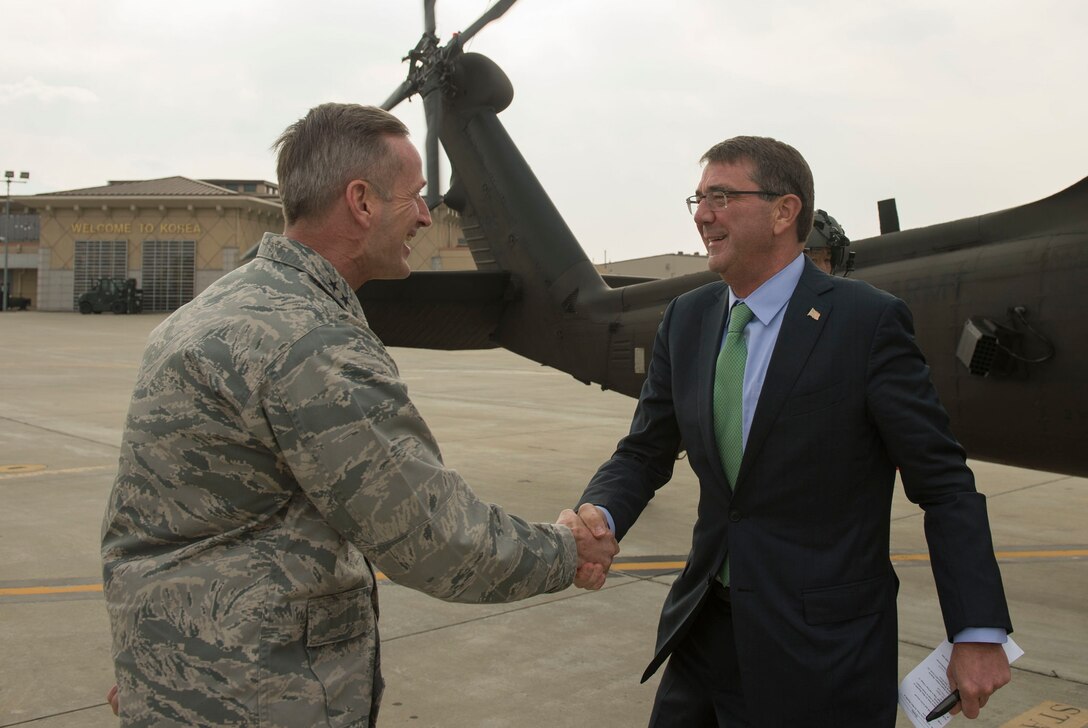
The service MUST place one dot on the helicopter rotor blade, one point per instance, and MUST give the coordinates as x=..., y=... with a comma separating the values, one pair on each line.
x=492, y=13
x=406, y=89
x=432, y=105
x=428, y=16
x=421, y=57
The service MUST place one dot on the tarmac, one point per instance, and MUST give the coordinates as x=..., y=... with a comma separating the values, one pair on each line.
x=526, y=437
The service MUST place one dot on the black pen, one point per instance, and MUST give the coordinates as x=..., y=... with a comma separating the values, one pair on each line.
x=944, y=706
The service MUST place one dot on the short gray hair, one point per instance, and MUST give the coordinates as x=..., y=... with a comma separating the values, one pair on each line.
x=333, y=144
x=776, y=167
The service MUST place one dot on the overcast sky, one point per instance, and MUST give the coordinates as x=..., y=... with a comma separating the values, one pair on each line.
x=954, y=107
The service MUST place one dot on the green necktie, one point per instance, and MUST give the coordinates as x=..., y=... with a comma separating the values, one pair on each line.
x=729, y=400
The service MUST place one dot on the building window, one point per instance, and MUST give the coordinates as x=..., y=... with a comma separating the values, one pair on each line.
x=20, y=228
x=98, y=259
x=248, y=187
x=168, y=270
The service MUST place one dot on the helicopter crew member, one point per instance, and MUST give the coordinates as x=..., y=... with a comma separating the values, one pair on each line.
x=826, y=246
x=272, y=460
x=796, y=395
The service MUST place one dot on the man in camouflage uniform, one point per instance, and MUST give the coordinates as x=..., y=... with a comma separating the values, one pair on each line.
x=272, y=459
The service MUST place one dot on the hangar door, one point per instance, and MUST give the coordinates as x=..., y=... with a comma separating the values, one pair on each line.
x=97, y=259
x=168, y=270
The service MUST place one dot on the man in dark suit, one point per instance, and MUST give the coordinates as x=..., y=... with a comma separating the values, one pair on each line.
x=785, y=612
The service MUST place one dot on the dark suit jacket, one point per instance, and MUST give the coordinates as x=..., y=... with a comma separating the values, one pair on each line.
x=847, y=399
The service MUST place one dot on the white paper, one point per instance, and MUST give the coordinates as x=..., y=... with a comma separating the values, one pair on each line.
x=927, y=685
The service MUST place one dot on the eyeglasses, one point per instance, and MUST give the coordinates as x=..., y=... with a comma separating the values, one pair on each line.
x=719, y=199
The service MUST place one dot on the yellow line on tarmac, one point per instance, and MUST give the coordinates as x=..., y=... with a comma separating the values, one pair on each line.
x=21, y=468
x=1052, y=554
x=628, y=566
x=1009, y=555
x=83, y=364
x=47, y=471
x=1004, y=555
x=22, y=591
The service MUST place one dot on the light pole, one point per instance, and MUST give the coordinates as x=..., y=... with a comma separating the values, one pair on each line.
x=9, y=177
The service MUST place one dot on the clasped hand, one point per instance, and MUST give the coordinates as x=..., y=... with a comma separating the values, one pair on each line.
x=596, y=545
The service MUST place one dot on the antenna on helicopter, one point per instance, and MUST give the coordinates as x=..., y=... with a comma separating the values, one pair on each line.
x=430, y=66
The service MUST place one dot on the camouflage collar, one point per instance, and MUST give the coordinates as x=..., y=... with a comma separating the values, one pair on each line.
x=298, y=255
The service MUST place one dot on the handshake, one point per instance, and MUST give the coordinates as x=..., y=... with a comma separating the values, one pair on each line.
x=596, y=544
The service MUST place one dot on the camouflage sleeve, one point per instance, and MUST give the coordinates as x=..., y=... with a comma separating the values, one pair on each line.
x=363, y=455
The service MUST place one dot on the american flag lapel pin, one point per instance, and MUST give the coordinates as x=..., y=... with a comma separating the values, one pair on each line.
x=814, y=314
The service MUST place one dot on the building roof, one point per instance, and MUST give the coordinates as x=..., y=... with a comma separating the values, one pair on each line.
x=165, y=187
x=659, y=256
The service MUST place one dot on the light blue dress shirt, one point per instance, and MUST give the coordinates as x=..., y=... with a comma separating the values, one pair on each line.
x=768, y=305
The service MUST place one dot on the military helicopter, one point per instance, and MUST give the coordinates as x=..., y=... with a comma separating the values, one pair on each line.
x=995, y=297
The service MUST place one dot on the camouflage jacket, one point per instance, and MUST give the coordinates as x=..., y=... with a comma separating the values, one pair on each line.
x=270, y=458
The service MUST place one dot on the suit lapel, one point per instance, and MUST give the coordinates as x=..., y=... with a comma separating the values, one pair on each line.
x=799, y=332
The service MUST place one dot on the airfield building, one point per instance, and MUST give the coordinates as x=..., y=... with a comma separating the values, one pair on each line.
x=177, y=235
x=173, y=235
x=668, y=265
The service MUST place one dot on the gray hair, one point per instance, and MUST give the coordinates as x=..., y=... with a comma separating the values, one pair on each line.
x=776, y=167
x=322, y=152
